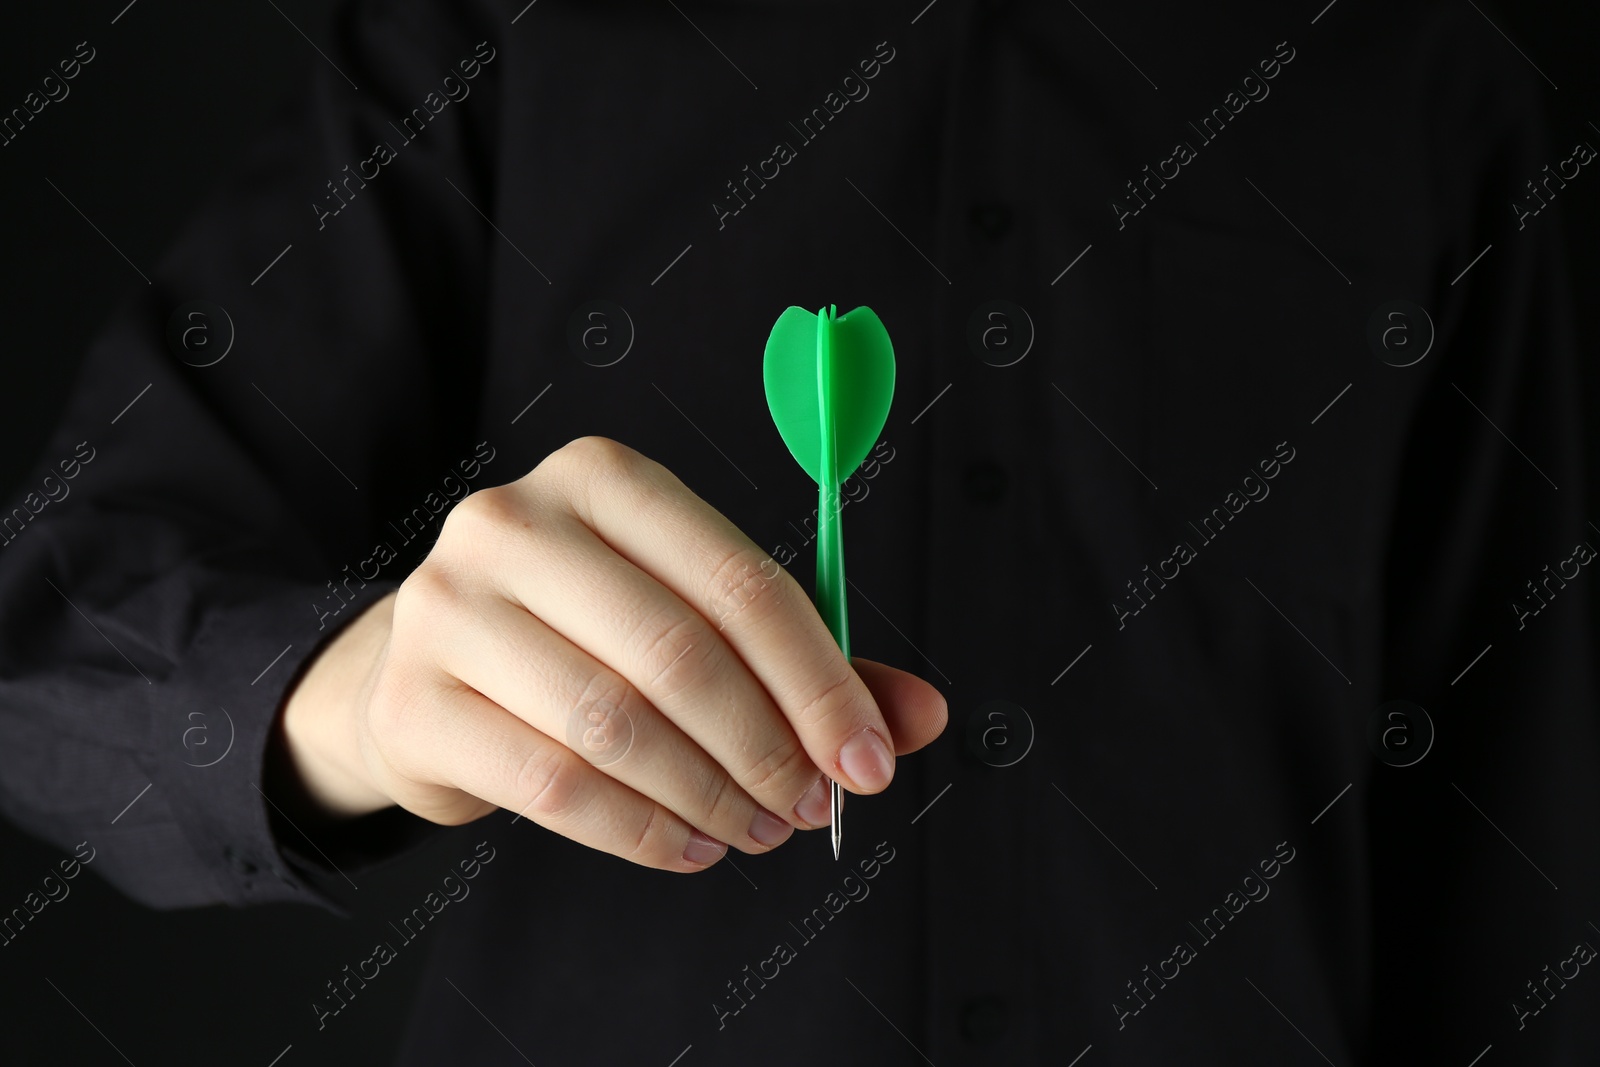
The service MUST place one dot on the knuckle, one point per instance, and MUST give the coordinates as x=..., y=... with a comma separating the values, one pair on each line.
x=425, y=592
x=607, y=691
x=430, y=614
x=843, y=697
x=576, y=471
x=723, y=799
x=675, y=656
x=478, y=514
x=648, y=847
x=785, y=765
x=747, y=583
x=550, y=781
x=490, y=526
x=586, y=455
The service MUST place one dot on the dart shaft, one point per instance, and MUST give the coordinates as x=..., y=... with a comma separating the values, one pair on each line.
x=830, y=537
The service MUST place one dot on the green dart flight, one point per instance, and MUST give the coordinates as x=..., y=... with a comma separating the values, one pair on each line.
x=830, y=381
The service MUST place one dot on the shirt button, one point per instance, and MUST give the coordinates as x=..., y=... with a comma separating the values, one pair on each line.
x=991, y=219
x=984, y=481
x=983, y=1020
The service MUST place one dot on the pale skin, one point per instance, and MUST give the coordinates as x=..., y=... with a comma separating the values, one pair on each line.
x=599, y=650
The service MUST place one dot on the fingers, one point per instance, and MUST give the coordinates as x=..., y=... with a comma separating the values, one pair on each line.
x=670, y=653
x=501, y=759
x=916, y=712
x=650, y=518
x=521, y=665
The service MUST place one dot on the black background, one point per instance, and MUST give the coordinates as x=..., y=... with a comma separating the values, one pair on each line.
x=177, y=90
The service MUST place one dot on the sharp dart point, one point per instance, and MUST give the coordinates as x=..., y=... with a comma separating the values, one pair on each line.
x=838, y=831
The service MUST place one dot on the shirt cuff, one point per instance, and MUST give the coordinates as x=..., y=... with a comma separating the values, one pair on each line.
x=248, y=846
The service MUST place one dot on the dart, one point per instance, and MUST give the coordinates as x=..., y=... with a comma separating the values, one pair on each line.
x=829, y=380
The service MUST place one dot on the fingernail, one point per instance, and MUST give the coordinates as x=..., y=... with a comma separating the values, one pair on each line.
x=768, y=829
x=866, y=760
x=703, y=851
x=816, y=807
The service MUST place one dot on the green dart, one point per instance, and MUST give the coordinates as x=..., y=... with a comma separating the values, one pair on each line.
x=830, y=380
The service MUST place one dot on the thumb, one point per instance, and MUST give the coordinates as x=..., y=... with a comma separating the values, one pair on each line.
x=914, y=711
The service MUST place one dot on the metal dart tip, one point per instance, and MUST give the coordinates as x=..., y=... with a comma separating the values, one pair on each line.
x=837, y=805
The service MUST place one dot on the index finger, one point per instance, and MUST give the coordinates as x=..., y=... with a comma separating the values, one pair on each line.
x=653, y=520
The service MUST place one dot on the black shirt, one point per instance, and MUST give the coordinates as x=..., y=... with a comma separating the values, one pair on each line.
x=1235, y=402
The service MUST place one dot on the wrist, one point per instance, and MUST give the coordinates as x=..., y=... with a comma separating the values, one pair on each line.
x=318, y=732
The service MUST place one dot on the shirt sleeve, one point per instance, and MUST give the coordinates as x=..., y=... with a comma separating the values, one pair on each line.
x=228, y=487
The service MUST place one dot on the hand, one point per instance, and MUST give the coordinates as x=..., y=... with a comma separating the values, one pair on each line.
x=598, y=649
